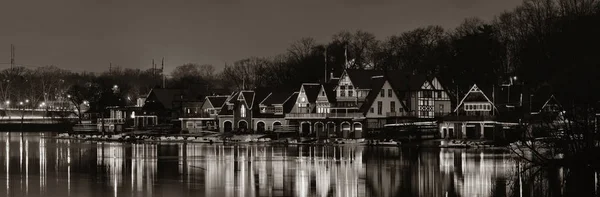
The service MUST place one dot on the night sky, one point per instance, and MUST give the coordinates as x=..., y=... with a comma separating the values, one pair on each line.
x=88, y=34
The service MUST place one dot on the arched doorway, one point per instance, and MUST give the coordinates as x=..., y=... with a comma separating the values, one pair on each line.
x=276, y=126
x=319, y=129
x=260, y=126
x=345, y=129
x=227, y=126
x=357, y=130
x=242, y=125
x=305, y=128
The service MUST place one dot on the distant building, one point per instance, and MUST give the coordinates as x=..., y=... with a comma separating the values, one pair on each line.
x=476, y=117
x=237, y=112
x=202, y=116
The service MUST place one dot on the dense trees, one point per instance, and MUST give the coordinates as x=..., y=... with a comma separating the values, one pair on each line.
x=542, y=42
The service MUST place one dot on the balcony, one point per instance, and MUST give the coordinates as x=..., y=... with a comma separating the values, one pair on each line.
x=305, y=116
x=345, y=115
x=111, y=120
x=415, y=114
x=401, y=114
x=199, y=115
x=323, y=115
x=462, y=117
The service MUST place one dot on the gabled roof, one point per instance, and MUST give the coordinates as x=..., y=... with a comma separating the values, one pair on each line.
x=330, y=92
x=406, y=81
x=275, y=98
x=551, y=101
x=375, y=85
x=361, y=78
x=312, y=91
x=224, y=109
x=290, y=102
x=216, y=101
x=166, y=97
x=475, y=95
x=248, y=97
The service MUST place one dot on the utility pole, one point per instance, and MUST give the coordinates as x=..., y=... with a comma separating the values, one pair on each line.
x=162, y=71
x=325, y=81
x=12, y=56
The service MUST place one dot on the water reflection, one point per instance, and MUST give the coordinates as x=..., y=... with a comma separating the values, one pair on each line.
x=38, y=166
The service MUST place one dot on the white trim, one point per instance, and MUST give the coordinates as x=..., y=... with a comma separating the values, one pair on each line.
x=551, y=97
x=273, y=124
x=474, y=88
x=265, y=128
x=206, y=99
x=260, y=104
x=346, y=122
x=354, y=126
x=238, y=124
x=229, y=122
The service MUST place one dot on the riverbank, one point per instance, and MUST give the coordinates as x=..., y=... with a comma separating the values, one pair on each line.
x=212, y=137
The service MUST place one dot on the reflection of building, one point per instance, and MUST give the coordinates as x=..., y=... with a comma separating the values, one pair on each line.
x=477, y=171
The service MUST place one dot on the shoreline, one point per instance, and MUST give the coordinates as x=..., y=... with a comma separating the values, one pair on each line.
x=257, y=139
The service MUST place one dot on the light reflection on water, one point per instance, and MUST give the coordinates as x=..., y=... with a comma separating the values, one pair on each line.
x=37, y=166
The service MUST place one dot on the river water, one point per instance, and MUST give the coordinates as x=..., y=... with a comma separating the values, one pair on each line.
x=33, y=165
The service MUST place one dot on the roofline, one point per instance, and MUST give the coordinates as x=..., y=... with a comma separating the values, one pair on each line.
x=323, y=88
x=475, y=85
x=265, y=98
x=289, y=97
x=546, y=103
x=213, y=106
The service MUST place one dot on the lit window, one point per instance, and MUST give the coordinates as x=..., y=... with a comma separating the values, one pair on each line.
x=242, y=111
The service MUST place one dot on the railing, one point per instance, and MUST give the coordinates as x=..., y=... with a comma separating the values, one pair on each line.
x=199, y=115
x=472, y=118
x=401, y=114
x=323, y=115
x=111, y=120
x=345, y=115
x=415, y=114
x=305, y=115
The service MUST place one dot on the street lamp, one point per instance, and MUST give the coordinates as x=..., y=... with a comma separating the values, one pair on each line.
x=68, y=96
x=21, y=103
x=26, y=100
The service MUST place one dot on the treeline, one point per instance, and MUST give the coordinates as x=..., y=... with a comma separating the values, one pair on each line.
x=542, y=42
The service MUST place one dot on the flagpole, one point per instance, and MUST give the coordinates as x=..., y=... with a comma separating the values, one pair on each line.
x=346, y=56
x=325, y=67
